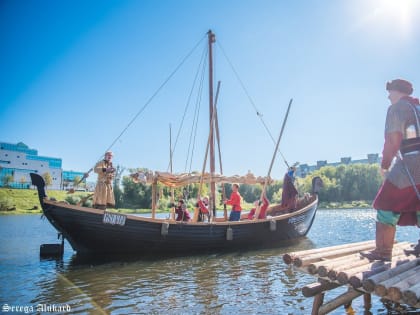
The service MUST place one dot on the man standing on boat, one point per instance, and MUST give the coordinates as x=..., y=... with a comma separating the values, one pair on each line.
x=289, y=193
x=398, y=199
x=235, y=202
x=104, y=194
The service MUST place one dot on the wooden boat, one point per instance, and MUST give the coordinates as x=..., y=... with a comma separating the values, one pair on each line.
x=91, y=230
x=95, y=231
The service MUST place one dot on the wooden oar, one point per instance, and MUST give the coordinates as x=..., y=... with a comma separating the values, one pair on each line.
x=257, y=210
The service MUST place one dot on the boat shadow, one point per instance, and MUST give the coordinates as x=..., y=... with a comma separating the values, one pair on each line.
x=77, y=260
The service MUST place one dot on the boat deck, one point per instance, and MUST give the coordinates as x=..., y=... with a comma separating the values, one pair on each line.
x=396, y=282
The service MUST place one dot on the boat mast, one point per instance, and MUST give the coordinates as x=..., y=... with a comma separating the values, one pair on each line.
x=211, y=41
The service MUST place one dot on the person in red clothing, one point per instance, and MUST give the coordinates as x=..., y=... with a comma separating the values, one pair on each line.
x=263, y=209
x=398, y=199
x=235, y=202
x=182, y=212
x=203, y=205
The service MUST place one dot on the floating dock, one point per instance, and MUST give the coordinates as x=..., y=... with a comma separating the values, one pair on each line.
x=396, y=281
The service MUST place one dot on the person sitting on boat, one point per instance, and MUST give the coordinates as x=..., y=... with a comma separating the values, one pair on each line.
x=203, y=205
x=263, y=209
x=235, y=202
x=104, y=194
x=289, y=193
x=182, y=212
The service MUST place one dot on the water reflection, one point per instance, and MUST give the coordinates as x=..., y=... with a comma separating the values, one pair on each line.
x=210, y=284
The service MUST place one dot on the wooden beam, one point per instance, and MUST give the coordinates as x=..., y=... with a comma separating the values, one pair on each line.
x=341, y=300
x=316, y=288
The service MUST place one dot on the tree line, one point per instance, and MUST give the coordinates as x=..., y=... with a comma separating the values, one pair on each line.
x=342, y=183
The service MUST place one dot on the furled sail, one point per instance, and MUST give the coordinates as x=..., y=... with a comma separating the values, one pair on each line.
x=183, y=179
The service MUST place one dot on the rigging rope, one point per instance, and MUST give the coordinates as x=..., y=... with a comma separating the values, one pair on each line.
x=251, y=101
x=145, y=105
x=194, y=126
x=156, y=92
x=187, y=104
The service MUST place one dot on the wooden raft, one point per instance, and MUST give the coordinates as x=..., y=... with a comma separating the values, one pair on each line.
x=397, y=281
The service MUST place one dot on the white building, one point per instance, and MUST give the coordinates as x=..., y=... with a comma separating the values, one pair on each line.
x=18, y=160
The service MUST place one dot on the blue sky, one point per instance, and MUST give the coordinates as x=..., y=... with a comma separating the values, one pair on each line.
x=75, y=73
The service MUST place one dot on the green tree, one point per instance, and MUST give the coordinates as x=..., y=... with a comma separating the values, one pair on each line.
x=346, y=182
x=48, y=179
x=22, y=181
x=136, y=195
x=118, y=193
x=76, y=181
x=7, y=180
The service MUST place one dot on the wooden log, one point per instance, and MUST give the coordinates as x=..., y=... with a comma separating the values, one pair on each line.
x=381, y=288
x=318, y=300
x=327, y=253
x=367, y=301
x=343, y=299
x=370, y=283
x=395, y=292
x=354, y=268
x=411, y=296
x=341, y=255
x=356, y=280
x=289, y=258
x=344, y=273
x=370, y=265
x=316, y=288
x=323, y=267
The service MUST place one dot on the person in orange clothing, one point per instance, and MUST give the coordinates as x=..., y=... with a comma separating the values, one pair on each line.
x=235, y=202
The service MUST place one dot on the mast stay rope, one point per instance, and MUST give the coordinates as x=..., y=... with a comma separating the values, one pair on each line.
x=258, y=113
x=155, y=93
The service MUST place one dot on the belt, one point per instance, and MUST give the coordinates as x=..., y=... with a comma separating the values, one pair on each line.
x=411, y=153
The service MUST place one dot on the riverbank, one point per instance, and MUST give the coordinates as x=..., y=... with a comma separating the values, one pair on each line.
x=356, y=204
x=25, y=201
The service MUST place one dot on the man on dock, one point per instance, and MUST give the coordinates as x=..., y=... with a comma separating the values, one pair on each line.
x=398, y=199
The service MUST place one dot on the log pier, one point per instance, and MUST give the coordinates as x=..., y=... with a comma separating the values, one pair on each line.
x=396, y=281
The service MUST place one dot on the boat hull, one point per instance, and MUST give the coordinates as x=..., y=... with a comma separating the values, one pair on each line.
x=96, y=231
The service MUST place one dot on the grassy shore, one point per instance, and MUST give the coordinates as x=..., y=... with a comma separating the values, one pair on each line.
x=357, y=204
x=23, y=201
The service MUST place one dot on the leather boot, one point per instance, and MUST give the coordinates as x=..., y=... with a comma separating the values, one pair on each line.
x=415, y=251
x=384, y=243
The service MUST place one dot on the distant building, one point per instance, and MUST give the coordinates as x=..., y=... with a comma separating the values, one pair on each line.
x=69, y=178
x=17, y=161
x=305, y=169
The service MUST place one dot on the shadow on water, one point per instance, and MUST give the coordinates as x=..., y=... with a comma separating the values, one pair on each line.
x=99, y=259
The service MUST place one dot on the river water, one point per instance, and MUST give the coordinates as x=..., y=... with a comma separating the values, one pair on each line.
x=250, y=282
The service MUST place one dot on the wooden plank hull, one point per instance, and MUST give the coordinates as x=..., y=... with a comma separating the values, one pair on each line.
x=95, y=231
